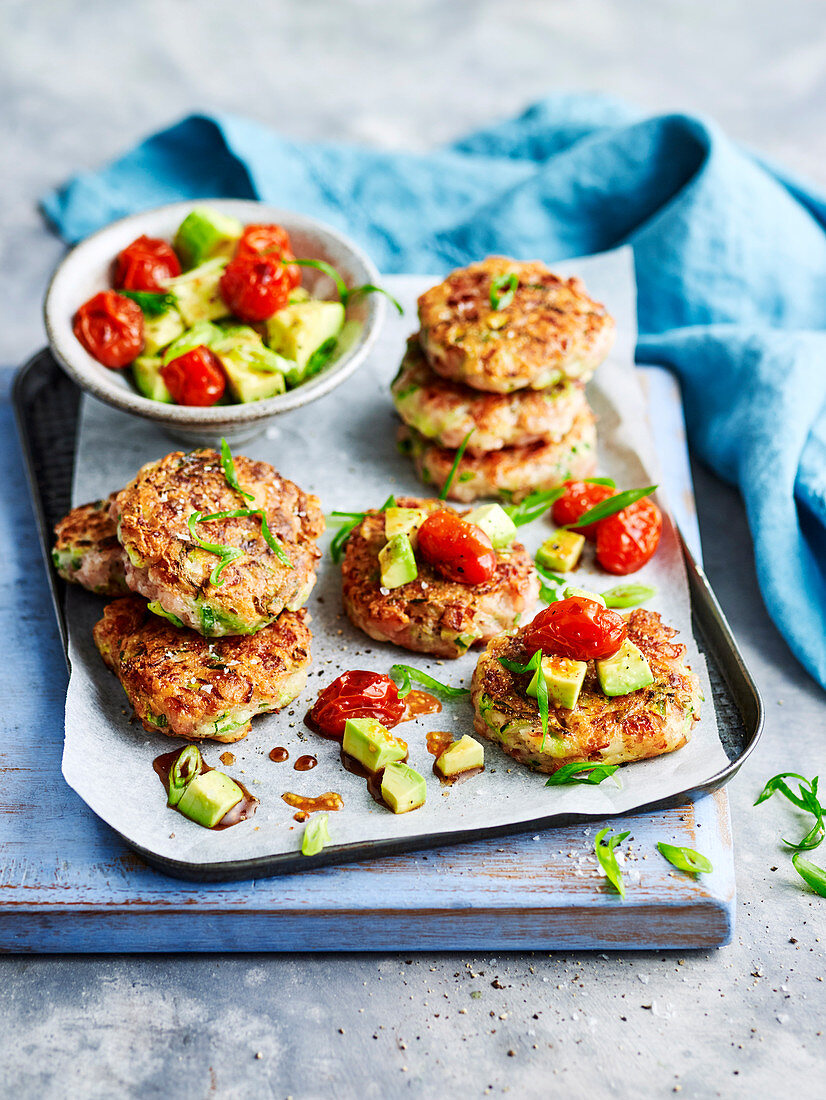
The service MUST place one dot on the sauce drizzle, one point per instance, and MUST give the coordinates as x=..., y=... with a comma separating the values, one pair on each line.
x=327, y=801
x=418, y=703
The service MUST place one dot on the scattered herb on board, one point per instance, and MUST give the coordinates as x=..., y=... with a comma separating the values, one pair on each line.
x=685, y=859
x=581, y=772
x=806, y=799
x=607, y=858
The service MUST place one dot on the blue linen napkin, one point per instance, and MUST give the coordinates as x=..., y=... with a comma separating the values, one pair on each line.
x=730, y=257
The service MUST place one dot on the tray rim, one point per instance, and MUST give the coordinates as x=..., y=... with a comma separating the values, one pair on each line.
x=746, y=699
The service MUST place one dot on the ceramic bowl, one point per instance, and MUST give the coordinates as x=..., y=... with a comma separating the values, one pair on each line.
x=86, y=269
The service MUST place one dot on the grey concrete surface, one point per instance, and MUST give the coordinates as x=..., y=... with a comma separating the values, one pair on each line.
x=81, y=81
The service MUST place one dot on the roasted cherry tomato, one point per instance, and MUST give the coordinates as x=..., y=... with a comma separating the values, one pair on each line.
x=578, y=498
x=195, y=378
x=357, y=694
x=145, y=264
x=270, y=240
x=255, y=286
x=460, y=551
x=110, y=327
x=578, y=628
x=627, y=540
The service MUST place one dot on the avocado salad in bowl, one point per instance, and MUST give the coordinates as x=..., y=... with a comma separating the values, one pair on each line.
x=211, y=318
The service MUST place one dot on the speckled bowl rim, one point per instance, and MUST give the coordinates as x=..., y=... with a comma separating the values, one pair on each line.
x=80, y=366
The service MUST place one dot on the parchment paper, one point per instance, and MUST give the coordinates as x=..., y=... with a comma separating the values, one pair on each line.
x=343, y=448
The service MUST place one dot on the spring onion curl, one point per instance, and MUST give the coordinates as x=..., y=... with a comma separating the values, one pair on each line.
x=228, y=465
x=610, y=506
x=460, y=454
x=535, y=666
x=685, y=859
x=348, y=522
x=229, y=554
x=580, y=771
x=406, y=673
x=346, y=295
x=607, y=858
x=187, y=765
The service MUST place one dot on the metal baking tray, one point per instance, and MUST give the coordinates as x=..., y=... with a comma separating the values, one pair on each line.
x=47, y=405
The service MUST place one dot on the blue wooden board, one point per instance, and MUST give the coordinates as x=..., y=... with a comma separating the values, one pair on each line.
x=68, y=884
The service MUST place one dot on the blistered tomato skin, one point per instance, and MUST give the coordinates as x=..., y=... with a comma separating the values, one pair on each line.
x=578, y=498
x=461, y=551
x=255, y=286
x=627, y=540
x=357, y=694
x=578, y=628
x=145, y=264
x=195, y=378
x=110, y=327
x=271, y=240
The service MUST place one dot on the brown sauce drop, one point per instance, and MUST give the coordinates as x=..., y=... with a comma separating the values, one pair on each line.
x=327, y=801
x=300, y=816
x=418, y=703
x=279, y=754
x=305, y=763
x=374, y=787
x=438, y=741
x=245, y=808
x=459, y=777
x=227, y=758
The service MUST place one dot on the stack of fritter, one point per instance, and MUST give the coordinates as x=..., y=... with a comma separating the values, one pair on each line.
x=501, y=359
x=223, y=636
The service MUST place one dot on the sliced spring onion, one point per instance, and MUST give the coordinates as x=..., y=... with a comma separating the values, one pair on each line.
x=628, y=595
x=778, y=783
x=316, y=835
x=345, y=295
x=581, y=772
x=187, y=765
x=152, y=304
x=609, y=481
x=459, y=456
x=406, y=673
x=348, y=522
x=225, y=553
x=502, y=290
x=604, y=849
x=612, y=505
x=228, y=464
x=811, y=874
x=533, y=665
x=228, y=554
x=685, y=859
x=320, y=357
x=533, y=506
x=806, y=799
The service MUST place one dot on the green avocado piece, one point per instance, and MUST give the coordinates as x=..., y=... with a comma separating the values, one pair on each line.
x=205, y=234
x=625, y=672
x=198, y=292
x=402, y=788
x=209, y=797
x=161, y=330
x=301, y=328
x=563, y=679
x=397, y=562
x=203, y=333
x=462, y=756
x=252, y=369
x=146, y=372
x=496, y=523
x=402, y=521
x=372, y=744
x=561, y=551
x=586, y=594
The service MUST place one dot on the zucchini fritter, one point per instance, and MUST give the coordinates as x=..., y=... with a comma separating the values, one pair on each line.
x=645, y=723
x=185, y=685
x=87, y=551
x=166, y=564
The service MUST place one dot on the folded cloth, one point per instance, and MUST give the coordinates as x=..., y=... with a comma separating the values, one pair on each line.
x=730, y=257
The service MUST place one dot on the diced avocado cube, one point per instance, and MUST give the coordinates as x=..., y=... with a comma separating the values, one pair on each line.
x=298, y=294
x=496, y=523
x=372, y=744
x=397, y=562
x=209, y=797
x=586, y=594
x=403, y=521
x=402, y=788
x=301, y=328
x=625, y=672
x=561, y=551
x=161, y=330
x=205, y=234
x=563, y=679
x=252, y=369
x=198, y=292
x=462, y=756
x=202, y=333
x=146, y=371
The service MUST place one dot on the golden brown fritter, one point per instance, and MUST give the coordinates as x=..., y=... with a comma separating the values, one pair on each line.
x=645, y=723
x=431, y=614
x=184, y=685
x=87, y=551
x=444, y=411
x=550, y=331
x=512, y=473
x=168, y=566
